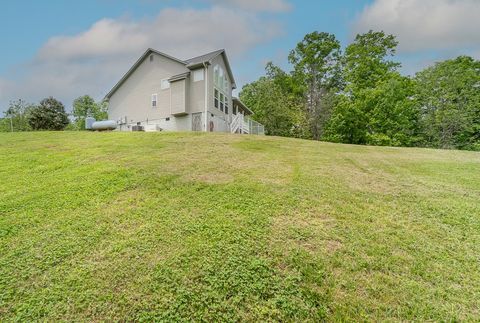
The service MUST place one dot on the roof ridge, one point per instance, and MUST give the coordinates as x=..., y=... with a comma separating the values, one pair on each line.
x=214, y=51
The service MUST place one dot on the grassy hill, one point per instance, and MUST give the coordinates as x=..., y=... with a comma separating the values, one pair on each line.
x=156, y=226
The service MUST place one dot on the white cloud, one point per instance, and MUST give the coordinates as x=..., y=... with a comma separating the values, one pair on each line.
x=92, y=61
x=257, y=5
x=425, y=24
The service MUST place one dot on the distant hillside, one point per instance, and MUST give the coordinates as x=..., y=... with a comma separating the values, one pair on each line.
x=157, y=226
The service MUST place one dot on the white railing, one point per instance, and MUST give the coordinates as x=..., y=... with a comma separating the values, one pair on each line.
x=246, y=125
x=237, y=122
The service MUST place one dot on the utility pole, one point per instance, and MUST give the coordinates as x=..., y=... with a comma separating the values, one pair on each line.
x=11, y=123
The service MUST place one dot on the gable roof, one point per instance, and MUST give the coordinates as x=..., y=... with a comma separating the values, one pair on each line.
x=191, y=63
x=204, y=58
x=198, y=61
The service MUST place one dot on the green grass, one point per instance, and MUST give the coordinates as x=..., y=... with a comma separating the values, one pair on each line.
x=173, y=227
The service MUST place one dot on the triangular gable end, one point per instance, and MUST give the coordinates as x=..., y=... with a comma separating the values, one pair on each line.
x=135, y=66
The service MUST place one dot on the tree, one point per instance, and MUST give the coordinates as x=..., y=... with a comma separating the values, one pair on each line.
x=18, y=114
x=365, y=67
x=393, y=116
x=366, y=63
x=85, y=106
x=361, y=98
x=448, y=95
x=317, y=71
x=48, y=115
x=272, y=107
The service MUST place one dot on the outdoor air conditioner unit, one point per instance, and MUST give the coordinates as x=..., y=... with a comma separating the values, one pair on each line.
x=138, y=127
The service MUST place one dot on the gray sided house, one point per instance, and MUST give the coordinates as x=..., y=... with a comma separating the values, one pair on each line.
x=161, y=92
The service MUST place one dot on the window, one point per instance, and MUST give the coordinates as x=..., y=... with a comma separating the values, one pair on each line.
x=216, y=99
x=215, y=74
x=225, y=83
x=198, y=75
x=221, y=100
x=234, y=109
x=154, y=100
x=165, y=84
x=167, y=119
x=151, y=58
x=220, y=78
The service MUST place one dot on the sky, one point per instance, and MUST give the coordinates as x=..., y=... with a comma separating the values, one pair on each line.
x=67, y=49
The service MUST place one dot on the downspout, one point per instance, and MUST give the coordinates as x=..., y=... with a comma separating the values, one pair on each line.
x=205, y=65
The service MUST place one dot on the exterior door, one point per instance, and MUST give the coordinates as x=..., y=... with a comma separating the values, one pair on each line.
x=197, y=122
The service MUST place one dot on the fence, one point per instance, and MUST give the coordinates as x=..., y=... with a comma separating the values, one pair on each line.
x=256, y=128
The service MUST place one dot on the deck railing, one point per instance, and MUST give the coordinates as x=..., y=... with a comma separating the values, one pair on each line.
x=246, y=125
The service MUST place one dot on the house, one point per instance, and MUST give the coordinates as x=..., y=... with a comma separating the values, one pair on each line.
x=161, y=92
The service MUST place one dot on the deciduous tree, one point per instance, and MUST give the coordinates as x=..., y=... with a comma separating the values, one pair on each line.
x=448, y=95
x=48, y=115
x=85, y=106
x=18, y=114
x=317, y=72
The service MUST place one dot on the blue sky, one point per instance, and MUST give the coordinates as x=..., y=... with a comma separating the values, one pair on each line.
x=70, y=48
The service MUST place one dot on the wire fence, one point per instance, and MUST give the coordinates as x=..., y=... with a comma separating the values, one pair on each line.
x=256, y=128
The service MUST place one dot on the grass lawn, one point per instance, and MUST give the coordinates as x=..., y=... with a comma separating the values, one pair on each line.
x=157, y=226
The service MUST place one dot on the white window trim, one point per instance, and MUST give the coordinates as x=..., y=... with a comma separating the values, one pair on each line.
x=162, y=86
x=154, y=99
x=226, y=98
x=199, y=75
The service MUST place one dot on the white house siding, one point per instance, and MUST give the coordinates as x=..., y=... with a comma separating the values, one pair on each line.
x=219, y=116
x=197, y=95
x=182, y=123
x=133, y=98
x=179, y=93
x=131, y=102
x=220, y=124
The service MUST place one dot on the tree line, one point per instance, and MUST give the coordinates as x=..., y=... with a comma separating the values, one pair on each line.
x=50, y=114
x=358, y=96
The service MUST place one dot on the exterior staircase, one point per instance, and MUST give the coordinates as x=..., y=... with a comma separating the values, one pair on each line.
x=237, y=123
x=240, y=124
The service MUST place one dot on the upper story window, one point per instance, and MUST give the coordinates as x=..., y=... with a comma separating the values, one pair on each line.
x=151, y=58
x=165, y=84
x=154, y=100
x=221, y=79
x=198, y=75
x=222, y=90
x=226, y=85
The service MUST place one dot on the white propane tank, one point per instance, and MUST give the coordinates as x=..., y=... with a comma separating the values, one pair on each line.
x=89, y=122
x=104, y=125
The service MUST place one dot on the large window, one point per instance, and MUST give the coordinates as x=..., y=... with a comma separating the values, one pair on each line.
x=221, y=79
x=220, y=101
x=216, y=99
x=222, y=89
